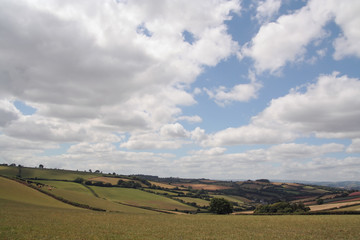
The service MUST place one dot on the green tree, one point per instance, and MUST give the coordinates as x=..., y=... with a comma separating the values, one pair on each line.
x=220, y=206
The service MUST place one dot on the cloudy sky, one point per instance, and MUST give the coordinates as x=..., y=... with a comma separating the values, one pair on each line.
x=215, y=89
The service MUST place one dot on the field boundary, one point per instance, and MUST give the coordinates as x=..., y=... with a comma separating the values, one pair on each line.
x=80, y=205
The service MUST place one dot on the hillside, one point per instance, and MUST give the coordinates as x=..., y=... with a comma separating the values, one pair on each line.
x=151, y=194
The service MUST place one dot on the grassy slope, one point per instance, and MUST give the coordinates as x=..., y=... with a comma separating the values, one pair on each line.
x=76, y=224
x=45, y=173
x=140, y=198
x=198, y=201
x=78, y=193
x=14, y=191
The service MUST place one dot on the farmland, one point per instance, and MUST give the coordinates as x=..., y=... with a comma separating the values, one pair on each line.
x=59, y=202
x=55, y=223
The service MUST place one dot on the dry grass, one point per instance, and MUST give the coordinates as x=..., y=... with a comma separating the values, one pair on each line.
x=163, y=185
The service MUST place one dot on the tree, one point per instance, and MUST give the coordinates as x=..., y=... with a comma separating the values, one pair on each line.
x=220, y=206
x=320, y=201
x=281, y=208
x=41, y=166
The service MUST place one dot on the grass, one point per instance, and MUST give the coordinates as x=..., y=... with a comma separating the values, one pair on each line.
x=87, y=198
x=14, y=191
x=69, y=186
x=23, y=221
x=140, y=198
x=198, y=201
x=45, y=173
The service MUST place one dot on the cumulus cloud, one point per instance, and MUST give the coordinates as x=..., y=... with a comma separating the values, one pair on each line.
x=8, y=113
x=170, y=136
x=79, y=64
x=354, y=147
x=267, y=9
x=285, y=41
x=327, y=108
x=347, y=17
x=239, y=93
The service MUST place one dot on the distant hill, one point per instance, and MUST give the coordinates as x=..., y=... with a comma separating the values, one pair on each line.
x=350, y=185
x=144, y=193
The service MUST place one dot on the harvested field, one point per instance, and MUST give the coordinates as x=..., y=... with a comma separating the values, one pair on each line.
x=347, y=200
x=354, y=194
x=162, y=185
x=329, y=206
x=111, y=180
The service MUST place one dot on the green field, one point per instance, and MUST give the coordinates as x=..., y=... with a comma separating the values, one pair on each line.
x=17, y=192
x=140, y=198
x=24, y=221
x=78, y=193
x=45, y=173
x=26, y=213
x=198, y=201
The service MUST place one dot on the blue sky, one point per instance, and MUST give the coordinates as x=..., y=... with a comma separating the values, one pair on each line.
x=215, y=89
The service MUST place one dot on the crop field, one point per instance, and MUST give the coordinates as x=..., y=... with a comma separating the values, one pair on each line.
x=24, y=221
x=332, y=205
x=351, y=208
x=140, y=198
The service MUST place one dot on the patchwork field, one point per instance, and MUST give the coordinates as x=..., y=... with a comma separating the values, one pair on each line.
x=209, y=187
x=17, y=192
x=26, y=212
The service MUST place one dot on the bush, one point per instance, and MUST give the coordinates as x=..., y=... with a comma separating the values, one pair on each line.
x=79, y=180
x=220, y=206
x=281, y=208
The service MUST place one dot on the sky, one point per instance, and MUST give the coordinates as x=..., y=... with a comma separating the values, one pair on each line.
x=219, y=89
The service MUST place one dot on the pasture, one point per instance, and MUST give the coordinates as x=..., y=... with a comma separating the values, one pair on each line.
x=140, y=198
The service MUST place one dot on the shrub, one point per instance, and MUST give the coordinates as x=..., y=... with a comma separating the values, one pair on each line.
x=220, y=206
x=281, y=208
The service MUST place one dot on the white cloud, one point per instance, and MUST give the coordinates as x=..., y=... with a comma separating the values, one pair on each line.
x=354, y=147
x=170, y=136
x=328, y=109
x=267, y=9
x=8, y=113
x=210, y=152
x=285, y=41
x=347, y=17
x=292, y=151
x=88, y=62
x=239, y=93
x=190, y=119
